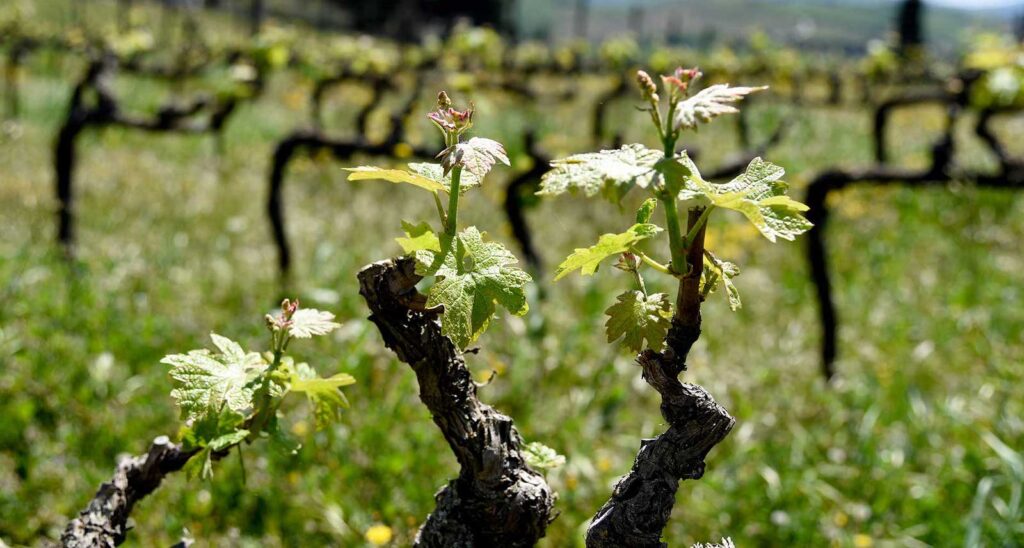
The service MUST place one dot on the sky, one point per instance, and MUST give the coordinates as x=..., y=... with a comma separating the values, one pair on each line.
x=977, y=3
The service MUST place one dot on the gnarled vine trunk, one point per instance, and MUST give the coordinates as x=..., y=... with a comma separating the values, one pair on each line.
x=496, y=500
x=641, y=504
x=104, y=522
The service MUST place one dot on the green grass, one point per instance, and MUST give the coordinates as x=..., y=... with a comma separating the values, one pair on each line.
x=917, y=443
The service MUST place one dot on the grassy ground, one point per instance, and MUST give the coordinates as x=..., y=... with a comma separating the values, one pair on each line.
x=916, y=444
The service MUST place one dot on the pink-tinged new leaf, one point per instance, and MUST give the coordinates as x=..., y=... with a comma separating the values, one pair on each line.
x=710, y=103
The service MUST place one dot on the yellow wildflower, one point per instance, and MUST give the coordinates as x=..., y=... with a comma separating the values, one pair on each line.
x=862, y=541
x=379, y=535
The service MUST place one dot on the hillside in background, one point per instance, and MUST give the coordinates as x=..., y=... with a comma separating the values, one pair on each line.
x=829, y=25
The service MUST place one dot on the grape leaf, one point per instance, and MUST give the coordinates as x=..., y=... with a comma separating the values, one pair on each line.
x=363, y=173
x=210, y=382
x=323, y=393
x=587, y=259
x=716, y=270
x=726, y=542
x=435, y=172
x=227, y=440
x=309, y=322
x=201, y=464
x=211, y=433
x=709, y=103
x=646, y=210
x=541, y=456
x=200, y=432
x=729, y=271
x=279, y=439
x=636, y=317
x=477, y=156
x=612, y=172
x=473, y=276
x=418, y=237
x=228, y=347
x=758, y=193
x=429, y=261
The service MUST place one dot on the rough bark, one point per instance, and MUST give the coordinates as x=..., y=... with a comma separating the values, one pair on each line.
x=104, y=522
x=496, y=500
x=642, y=501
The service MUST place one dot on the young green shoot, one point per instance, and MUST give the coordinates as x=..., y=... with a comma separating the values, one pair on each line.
x=472, y=276
x=641, y=319
x=231, y=395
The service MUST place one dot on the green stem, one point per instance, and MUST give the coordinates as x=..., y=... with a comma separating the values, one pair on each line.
x=668, y=200
x=656, y=118
x=262, y=397
x=453, y=202
x=640, y=282
x=440, y=211
x=668, y=134
x=675, y=239
x=653, y=264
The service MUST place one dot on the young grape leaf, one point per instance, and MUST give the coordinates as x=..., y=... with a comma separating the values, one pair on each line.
x=730, y=271
x=429, y=261
x=477, y=156
x=587, y=259
x=646, y=210
x=612, y=172
x=472, y=277
x=716, y=270
x=758, y=193
x=324, y=393
x=201, y=464
x=541, y=456
x=209, y=434
x=636, y=317
x=200, y=432
x=228, y=347
x=363, y=173
x=227, y=440
x=726, y=542
x=210, y=382
x=435, y=172
x=418, y=237
x=279, y=439
x=309, y=322
x=710, y=103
